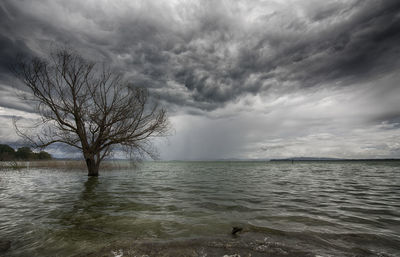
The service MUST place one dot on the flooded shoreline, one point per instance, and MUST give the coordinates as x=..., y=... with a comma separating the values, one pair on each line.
x=252, y=243
x=156, y=209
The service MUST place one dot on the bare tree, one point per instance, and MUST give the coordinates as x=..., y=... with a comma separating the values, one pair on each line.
x=89, y=108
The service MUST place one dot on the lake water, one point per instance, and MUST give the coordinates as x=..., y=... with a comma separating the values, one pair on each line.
x=301, y=209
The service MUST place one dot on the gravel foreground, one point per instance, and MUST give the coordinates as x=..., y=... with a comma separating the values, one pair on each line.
x=223, y=247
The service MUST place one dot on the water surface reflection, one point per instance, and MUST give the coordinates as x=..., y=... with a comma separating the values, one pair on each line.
x=324, y=208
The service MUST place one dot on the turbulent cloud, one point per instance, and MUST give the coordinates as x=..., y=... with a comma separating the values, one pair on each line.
x=231, y=61
x=329, y=123
x=216, y=50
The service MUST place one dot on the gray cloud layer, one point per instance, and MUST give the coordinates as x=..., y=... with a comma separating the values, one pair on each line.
x=216, y=51
x=203, y=56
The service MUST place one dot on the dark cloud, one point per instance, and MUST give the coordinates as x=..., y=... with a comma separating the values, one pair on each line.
x=302, y=68
x=10, y=47
x=212, y=50
x=366, y=46
x=10, y=98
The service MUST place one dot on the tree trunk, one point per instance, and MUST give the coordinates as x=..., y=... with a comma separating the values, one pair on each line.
x=92, y=166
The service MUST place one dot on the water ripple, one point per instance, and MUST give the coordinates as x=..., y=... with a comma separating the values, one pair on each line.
x=331, y=209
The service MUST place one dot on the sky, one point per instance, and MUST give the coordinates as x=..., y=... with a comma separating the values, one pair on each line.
x=240, y=79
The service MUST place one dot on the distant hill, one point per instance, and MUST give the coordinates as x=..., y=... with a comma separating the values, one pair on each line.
x=330, y=159
x=298, y=159
x=309, y=159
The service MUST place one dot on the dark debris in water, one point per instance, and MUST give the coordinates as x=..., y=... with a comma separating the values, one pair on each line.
x=236, y=230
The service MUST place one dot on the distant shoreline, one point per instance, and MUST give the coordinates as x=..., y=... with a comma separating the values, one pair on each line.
x=121, y=163
x=287, y=160
x=333, y=160
x=63, y=164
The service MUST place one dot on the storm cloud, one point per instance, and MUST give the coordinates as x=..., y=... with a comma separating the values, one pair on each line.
x=278, y=73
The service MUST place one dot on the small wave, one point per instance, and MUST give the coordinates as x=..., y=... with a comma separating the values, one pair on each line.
x=270, y=242
x=201, y=247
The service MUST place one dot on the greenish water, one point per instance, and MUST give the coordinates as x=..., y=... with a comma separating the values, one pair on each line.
x=320, y=208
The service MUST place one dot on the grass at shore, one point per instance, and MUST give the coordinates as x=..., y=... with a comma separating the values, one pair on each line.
x=63, y=164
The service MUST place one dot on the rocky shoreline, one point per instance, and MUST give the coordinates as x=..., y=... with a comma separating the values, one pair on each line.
x=232, y=246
